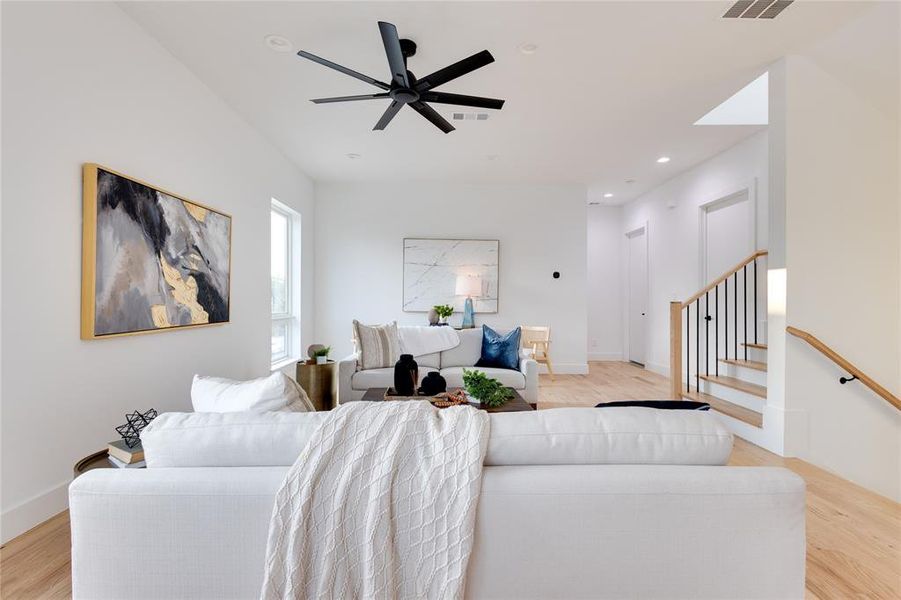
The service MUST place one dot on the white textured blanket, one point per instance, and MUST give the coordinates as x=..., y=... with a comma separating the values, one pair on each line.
x=419, y=341
x=380, y=504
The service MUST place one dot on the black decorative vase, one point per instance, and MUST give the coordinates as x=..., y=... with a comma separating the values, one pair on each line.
x=406, y=375
x=433, y=384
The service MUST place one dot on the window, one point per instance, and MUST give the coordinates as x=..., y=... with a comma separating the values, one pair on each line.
x=285, y=282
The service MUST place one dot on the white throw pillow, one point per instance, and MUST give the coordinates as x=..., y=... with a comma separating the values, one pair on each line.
x=277, y=392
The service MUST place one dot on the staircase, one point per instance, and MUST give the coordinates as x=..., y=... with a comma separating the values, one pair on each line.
x=718, y=351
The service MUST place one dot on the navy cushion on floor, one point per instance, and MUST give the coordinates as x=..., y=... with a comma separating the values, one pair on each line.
x=661, y=404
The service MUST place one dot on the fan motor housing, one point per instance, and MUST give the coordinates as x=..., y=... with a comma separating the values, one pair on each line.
x=404, y=95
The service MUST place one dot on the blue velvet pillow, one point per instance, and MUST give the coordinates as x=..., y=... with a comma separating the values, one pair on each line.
x=500, y=351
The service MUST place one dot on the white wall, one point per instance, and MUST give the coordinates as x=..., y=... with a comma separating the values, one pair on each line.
x=359, y=255
x=83, y=83
x=672, y=215
x=842, y=250
x=605, y=294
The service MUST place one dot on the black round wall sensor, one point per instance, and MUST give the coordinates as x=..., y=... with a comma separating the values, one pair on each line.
x=556, y=274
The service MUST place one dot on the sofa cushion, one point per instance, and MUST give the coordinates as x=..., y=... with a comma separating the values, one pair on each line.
x=467, y=353
x=508, y=377
x=377, y=345
x=636, y=436
x=501, y=351
x=370, y=378
x=237, y=439
x=275, y=392
x=549, y=437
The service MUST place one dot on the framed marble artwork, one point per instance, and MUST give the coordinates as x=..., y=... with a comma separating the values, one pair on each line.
x=151, y=260
x=433, y=267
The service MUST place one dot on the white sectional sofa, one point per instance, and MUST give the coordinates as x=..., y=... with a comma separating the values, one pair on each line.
x=353, y=383
x=575, y=503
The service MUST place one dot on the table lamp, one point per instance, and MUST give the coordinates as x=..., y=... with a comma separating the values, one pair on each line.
x=469, y=286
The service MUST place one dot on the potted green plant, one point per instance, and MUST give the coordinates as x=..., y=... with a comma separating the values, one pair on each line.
x=444, y=311
x=320, y=355
x=488, y=391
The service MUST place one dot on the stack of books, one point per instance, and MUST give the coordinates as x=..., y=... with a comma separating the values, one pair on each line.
x=120, y=455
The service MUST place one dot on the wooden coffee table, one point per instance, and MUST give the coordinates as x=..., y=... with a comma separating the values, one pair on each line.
x=514, y=404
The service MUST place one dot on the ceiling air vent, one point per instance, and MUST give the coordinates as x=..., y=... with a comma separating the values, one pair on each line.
x=756, y=9
x=470, y=116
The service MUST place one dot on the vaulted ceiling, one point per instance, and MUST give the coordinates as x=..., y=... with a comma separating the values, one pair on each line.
x=610, y=87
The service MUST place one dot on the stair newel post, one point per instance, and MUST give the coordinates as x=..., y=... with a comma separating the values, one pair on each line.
x=675, y=343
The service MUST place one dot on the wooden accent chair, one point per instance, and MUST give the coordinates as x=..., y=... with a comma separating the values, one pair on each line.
x=538, y=340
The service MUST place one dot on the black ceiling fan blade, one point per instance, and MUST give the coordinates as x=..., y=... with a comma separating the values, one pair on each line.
x=348, y=98
x=345, y=70
x=462, y=100
x=393, y=108
x=395, y=56
x=458, y=69
x=429, y=113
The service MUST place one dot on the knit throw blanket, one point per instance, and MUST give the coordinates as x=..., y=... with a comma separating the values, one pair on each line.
x=380, y=504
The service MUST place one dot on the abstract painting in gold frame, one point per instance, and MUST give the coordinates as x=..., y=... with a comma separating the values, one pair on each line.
x=151, y=260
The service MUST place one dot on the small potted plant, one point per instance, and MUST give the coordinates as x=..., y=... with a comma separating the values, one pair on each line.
x=444, y=311
x=320, y=355
x=488, y=391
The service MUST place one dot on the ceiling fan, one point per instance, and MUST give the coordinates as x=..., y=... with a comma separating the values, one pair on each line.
x=406, y=89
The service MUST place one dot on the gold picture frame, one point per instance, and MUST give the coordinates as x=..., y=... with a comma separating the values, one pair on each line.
x=180, y=246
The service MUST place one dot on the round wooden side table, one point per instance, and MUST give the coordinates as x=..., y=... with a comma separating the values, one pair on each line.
x=98, y=460
x=320, y=382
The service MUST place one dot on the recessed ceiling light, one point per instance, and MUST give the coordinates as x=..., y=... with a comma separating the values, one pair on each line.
x=663, y=159
x=630, y=181
x=608, y=195
x=353, y=155
x=528, y=48
x=278, y=43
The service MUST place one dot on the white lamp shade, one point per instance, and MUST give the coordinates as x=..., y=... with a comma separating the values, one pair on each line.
x=469, y=286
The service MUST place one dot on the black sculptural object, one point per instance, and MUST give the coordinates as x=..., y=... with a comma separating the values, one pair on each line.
x=433, y=384
x=136, y=421
x=406, y=375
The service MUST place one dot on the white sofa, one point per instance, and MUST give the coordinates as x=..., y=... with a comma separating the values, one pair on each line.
x=353, y=383
x=575, y=503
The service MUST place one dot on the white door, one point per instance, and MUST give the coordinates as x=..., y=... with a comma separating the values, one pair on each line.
x=728, y=233
x=728, y=238
x=638, y=294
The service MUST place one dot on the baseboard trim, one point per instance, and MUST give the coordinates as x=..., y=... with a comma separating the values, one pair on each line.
x=565, y=369
x=34, y=511
x=657, y=368
x=605, y=356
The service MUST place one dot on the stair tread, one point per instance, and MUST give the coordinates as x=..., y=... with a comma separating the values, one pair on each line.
x=737, y=384
x=751, y=417
x=758, y=346
x=751, y=364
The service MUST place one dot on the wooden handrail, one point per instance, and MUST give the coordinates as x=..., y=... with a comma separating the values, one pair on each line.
x=846, y=365
x=725, y=276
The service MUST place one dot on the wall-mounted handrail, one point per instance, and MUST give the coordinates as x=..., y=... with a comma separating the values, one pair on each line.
x=725, y=276
x=846, y=365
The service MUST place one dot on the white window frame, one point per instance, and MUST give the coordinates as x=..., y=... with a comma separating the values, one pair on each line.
x=292, y=287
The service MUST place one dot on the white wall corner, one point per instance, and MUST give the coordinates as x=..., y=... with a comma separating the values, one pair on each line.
x=34, y=511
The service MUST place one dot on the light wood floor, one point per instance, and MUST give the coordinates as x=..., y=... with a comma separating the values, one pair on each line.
x=853, y=535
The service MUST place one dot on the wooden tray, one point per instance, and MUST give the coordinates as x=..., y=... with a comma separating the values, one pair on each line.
x=440, y=400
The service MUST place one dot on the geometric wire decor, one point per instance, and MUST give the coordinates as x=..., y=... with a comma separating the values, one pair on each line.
x=136, y=421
